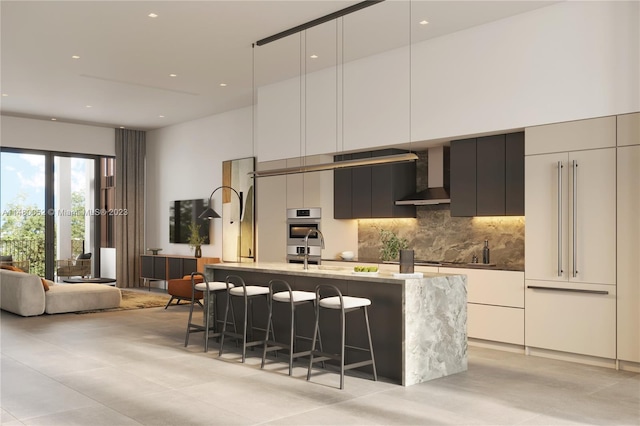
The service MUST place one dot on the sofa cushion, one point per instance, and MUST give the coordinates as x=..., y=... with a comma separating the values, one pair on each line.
x=45, y=282
x=21, y=293
x=63, y=298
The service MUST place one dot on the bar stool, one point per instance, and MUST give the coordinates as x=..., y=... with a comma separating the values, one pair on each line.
x=201, y=286
x=345, y=304
x=294, y=298
x=236, y=287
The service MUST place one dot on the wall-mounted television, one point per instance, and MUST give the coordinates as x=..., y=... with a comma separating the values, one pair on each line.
x=182, y=213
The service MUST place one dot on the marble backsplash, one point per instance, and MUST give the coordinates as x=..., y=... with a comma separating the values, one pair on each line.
x=435, y=235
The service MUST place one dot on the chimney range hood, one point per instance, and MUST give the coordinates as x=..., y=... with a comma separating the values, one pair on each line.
x=438, y=183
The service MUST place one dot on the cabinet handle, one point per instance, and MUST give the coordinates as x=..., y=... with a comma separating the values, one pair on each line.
x=560, y=271
x=572, y=290
x=575, y=218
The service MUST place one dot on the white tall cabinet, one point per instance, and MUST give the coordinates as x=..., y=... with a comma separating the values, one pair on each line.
x=628, y=218
x=570, y=237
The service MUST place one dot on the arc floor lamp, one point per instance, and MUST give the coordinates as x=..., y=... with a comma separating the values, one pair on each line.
x=209, y=213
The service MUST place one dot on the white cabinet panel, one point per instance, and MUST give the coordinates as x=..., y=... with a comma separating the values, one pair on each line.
x=629, y=253
x=571, y=136
x=501, y=288
x=582, y=201
x=629, y=129
x=271, y=230
x=568, y=321
x=592, y=210
x=279, y=120
x=495, y=323
x=546, y=225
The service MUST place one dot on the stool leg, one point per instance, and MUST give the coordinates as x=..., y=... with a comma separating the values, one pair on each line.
x=366, y=319
x=264, y=350
x=313, y=344
x=342, y=341
x=244, y=328
x=292, y=337
x=224, y=324
x=206, y=322
x=186, y=339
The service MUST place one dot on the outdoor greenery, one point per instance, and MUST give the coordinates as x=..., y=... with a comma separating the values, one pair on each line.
x=391, y=245
x=22, y=230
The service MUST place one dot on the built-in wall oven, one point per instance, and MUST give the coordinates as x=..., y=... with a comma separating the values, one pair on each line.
x=299, y=222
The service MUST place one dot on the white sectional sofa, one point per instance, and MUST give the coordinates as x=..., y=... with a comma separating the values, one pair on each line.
x=24, y=294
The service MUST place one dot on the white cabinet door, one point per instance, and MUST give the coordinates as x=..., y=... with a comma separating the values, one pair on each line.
x=629, y=253
x=546, y=225
x=592, y=216
x=629, y=129
x=581, y=321
x=496, y=323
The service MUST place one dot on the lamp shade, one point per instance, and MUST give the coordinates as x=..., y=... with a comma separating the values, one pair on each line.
x=209, y=213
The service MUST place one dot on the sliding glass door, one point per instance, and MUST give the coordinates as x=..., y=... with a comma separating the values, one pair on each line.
x=50, y=213
x=22, y=199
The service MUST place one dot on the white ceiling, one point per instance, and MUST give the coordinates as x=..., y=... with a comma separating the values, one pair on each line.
x=126, y=57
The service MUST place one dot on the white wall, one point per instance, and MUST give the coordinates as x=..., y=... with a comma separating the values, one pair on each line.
x=184, y=162
x=569, y=61
x=572, y=60
x=49, y=135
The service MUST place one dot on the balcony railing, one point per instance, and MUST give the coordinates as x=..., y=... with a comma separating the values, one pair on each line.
x=32, y=251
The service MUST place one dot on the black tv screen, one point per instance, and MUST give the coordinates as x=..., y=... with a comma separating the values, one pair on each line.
x=182, y=213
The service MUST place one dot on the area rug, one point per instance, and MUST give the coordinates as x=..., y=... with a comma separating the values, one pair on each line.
x=136, y=300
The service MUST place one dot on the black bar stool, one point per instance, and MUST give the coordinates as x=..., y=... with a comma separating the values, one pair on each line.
x=280, y=291
x=200, y=284
x=236, y=287
x=345, y=304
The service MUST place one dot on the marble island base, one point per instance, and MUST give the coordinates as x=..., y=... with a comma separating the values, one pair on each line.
x=418, y=325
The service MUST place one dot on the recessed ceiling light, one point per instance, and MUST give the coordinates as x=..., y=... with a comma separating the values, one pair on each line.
x=173, y=75
x=424, y=22
x=122, y=127
x=152, y=15
x=161, y=116
x=88, y=106
x=314, y=56
x=75, y=57
x=223, y=84
x=54, y=119
x=5, y=95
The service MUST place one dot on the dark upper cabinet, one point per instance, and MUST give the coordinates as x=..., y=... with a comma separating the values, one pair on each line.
x=487, y=176
x=514, y=174
x=463, y=177
x=361, y=188
x=371, y=191
x=342, y=183
x=490, y=176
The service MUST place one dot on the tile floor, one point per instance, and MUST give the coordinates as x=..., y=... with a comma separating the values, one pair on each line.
x=131, y=368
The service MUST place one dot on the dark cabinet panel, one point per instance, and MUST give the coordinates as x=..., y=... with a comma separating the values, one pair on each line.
x=463, y=177
x=342, y=184
x=490, y=176
x=487, y=176
x=146, y=266
x=159, y=267
x=514, y=174
x=361, y=188
x=371, y=191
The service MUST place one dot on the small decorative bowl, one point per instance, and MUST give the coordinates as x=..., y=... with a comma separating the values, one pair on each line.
x=347, y=255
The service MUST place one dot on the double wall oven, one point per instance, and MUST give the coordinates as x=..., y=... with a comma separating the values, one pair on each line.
x=299, y=222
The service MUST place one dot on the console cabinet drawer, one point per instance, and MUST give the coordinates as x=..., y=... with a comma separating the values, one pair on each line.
x=495, y=323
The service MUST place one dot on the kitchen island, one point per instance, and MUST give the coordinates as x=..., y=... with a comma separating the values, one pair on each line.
x=418, y=325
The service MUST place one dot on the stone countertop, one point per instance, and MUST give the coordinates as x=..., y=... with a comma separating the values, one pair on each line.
x=491, y=266
x=320, y=271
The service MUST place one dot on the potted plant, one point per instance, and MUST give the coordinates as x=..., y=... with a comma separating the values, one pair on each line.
x=391, y=245
x=195, y=239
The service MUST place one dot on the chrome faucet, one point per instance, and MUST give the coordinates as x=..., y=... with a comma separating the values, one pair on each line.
x=306, y=245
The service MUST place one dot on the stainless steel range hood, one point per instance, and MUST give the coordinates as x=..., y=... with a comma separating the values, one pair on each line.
x=438, y=181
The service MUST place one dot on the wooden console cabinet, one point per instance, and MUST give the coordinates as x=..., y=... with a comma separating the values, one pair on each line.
x=164, y=267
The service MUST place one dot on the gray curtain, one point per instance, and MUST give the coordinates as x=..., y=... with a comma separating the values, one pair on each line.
x=130, y=173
